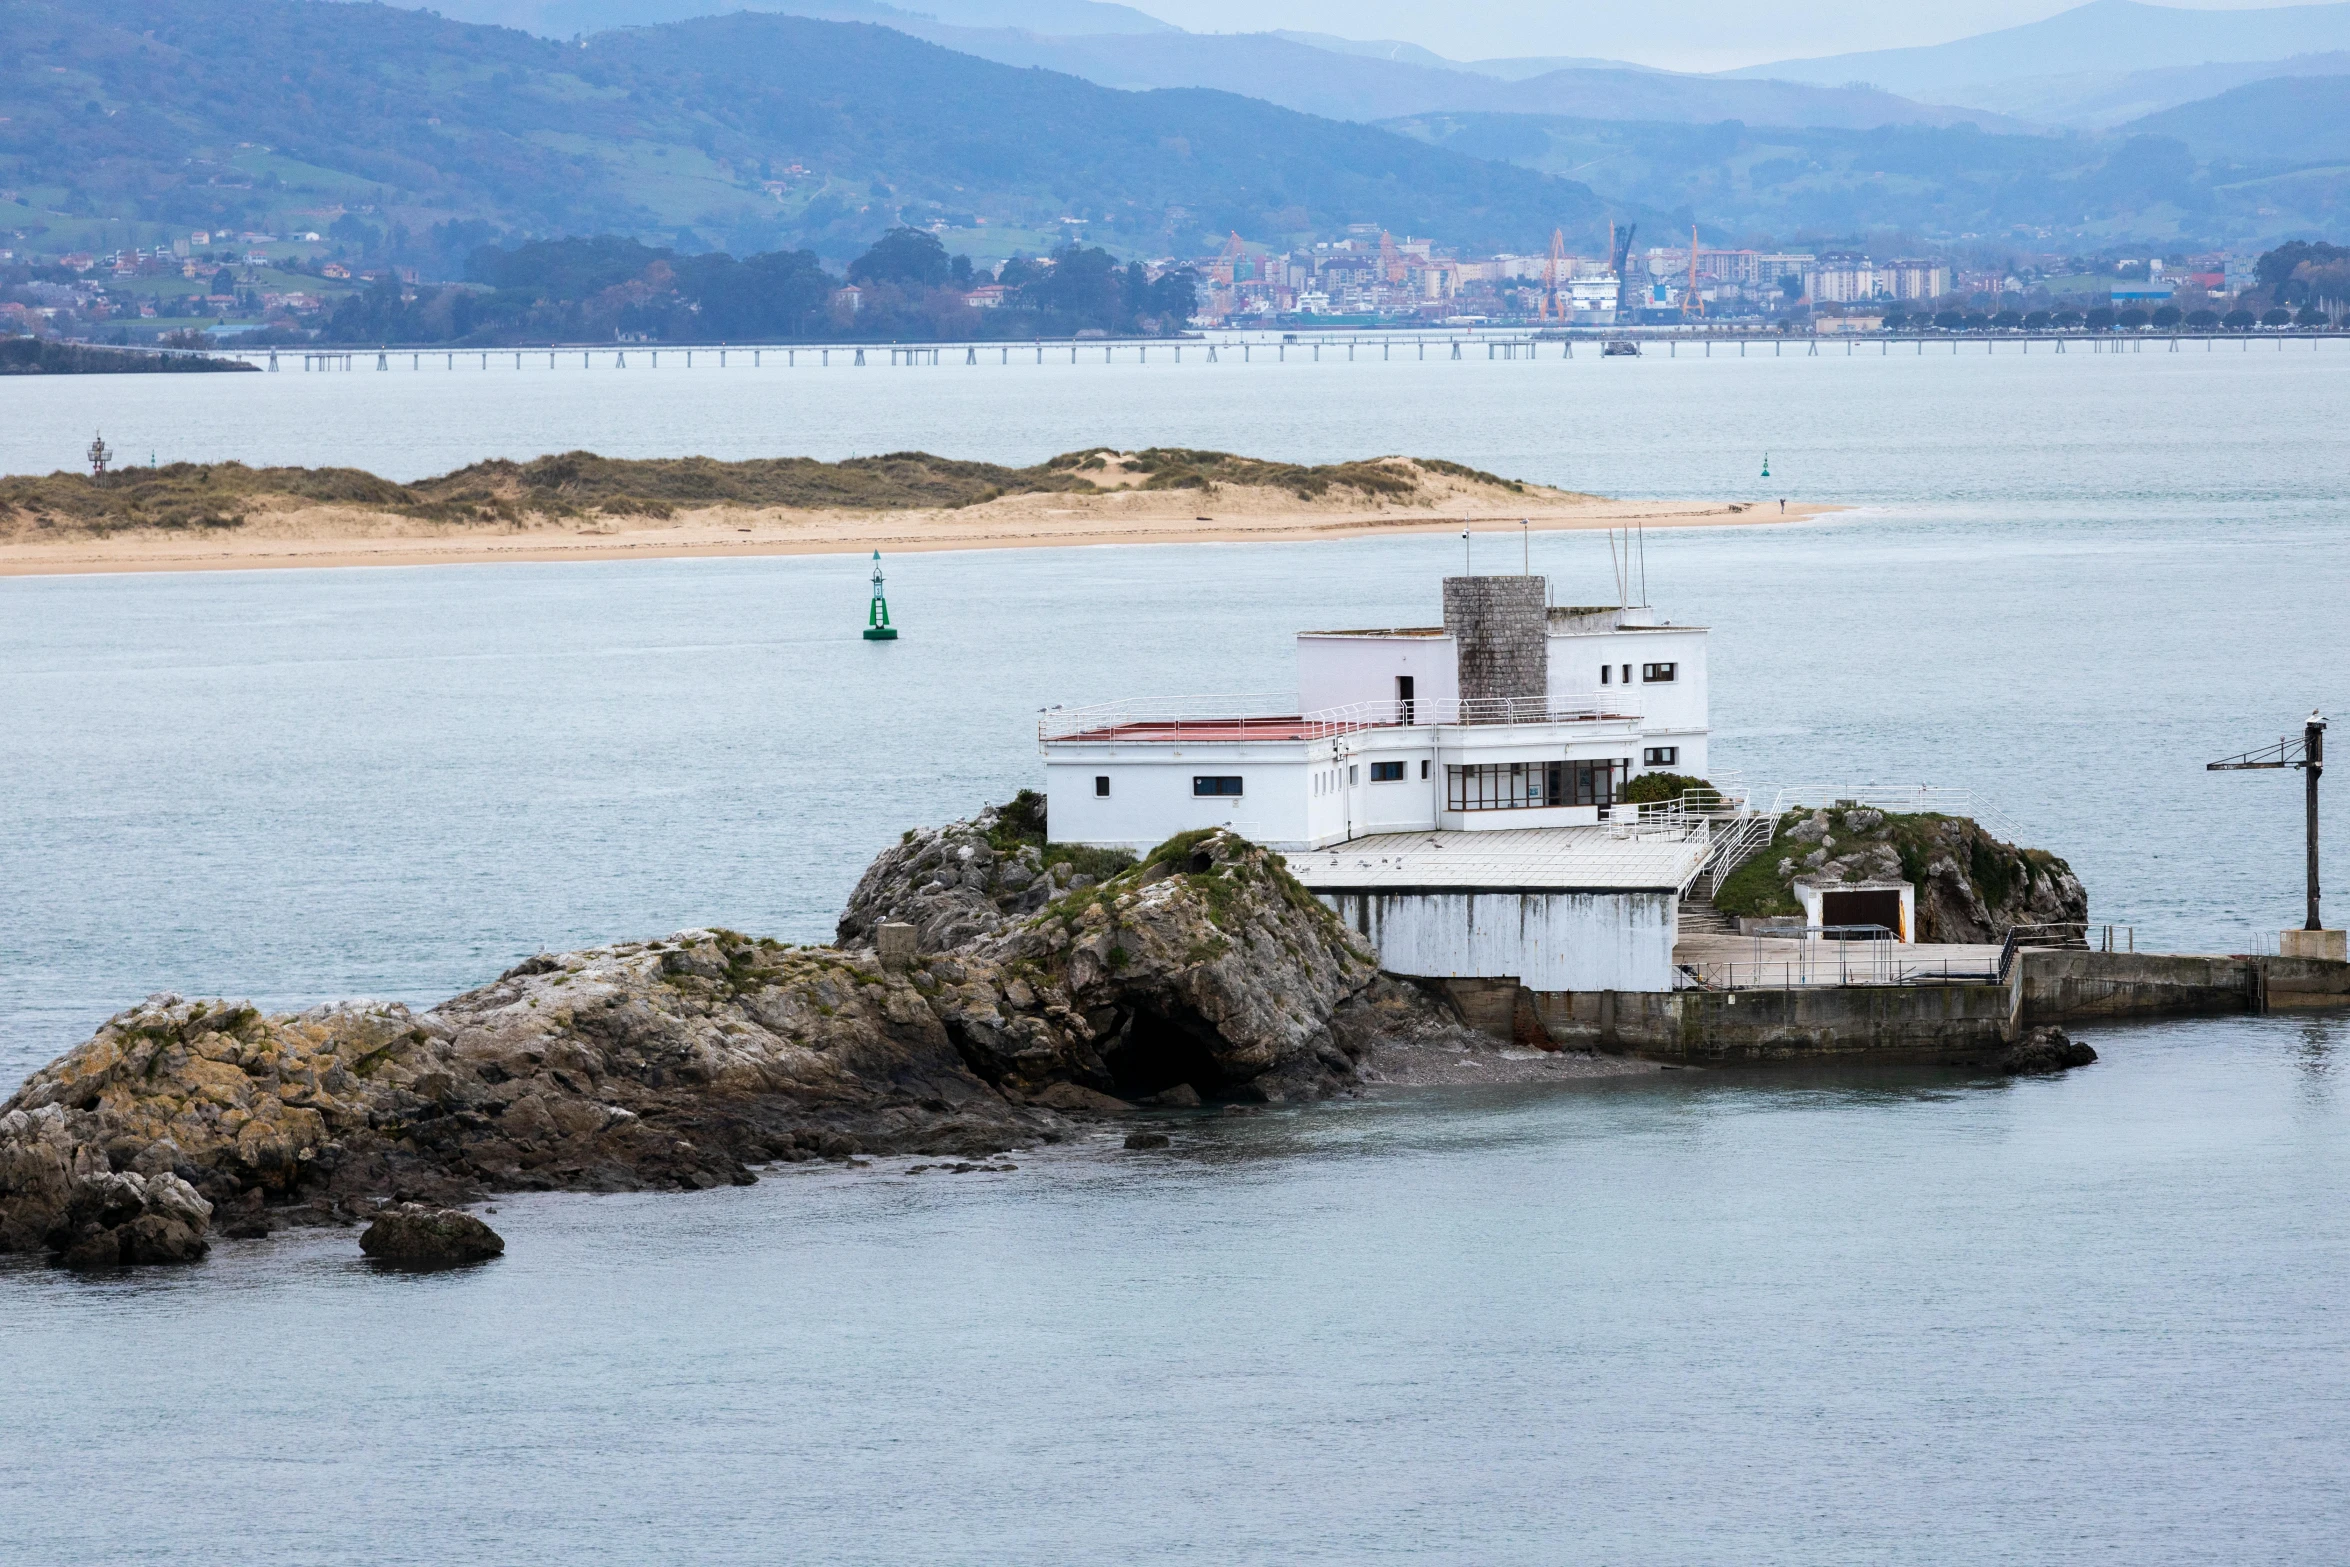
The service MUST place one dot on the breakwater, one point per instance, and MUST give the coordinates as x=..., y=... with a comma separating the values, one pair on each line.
x=1941, y=1022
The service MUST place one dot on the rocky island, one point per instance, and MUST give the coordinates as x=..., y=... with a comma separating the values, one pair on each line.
x=1035, y=988
x=986, y=990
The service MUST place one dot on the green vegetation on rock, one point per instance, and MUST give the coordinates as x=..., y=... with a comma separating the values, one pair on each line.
x=1023, y=822
x=1970, y=885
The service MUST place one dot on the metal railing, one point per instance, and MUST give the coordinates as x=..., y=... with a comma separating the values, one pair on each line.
x=1831, y=955
x=1238, y=716
x=1233, y=712
x=1736, y=841
x=2057, y=936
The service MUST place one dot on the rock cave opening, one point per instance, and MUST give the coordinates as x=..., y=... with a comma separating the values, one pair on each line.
x=1158, y=1051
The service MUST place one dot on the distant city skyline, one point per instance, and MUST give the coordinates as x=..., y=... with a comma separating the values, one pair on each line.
x=1698, y=35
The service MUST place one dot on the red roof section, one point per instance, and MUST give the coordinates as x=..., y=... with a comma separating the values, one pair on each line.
x=1203, y=729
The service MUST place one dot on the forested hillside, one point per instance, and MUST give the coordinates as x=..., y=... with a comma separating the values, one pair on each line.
x=2252, y=166
x=752, y=132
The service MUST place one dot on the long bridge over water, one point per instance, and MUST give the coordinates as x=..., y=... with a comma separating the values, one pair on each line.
x=1265, y=347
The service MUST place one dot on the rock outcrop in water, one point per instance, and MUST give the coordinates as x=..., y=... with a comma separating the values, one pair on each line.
x=411, y=1235
x=1971, y=886
x=2043, y=1051
x=1204, y=972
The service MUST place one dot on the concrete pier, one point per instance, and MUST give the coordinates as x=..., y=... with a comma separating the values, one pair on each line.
x=1957, y=1021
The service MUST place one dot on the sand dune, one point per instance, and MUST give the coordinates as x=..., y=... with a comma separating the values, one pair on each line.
x=282, y=532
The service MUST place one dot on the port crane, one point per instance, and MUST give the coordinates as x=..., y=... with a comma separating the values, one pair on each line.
x=2308, y=754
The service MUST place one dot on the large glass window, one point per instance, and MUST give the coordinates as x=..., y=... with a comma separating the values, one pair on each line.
x=1522, y=786
x=1202, y=784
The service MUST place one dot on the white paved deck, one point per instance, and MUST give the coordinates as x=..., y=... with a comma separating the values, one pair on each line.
x=1534, y=859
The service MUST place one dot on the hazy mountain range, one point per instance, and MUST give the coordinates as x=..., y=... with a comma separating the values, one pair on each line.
x=2104, y=35
x=2097, y=65
x=2115, y=123
x=750, y=131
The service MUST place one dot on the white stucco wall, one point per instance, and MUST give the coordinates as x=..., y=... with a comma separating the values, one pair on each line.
x=1673, y=713
x=1150, y=797
x=1337, y=670
x=1544, y=940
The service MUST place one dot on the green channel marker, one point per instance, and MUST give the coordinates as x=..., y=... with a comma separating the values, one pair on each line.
x=877, y=626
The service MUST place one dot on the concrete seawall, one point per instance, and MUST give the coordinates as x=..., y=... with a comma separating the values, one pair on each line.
x=1957, y=1022
x=2063, y=987
x=1896, y=1022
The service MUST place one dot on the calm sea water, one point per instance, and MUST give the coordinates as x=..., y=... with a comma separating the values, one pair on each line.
x=1715, y=1317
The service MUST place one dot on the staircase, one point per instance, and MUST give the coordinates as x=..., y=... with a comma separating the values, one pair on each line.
x=1699, y=917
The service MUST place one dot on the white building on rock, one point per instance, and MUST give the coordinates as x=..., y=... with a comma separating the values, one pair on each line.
x=1455, y=792
x=1509, y=715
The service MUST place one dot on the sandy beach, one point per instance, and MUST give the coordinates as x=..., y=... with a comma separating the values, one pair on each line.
x=315, y=536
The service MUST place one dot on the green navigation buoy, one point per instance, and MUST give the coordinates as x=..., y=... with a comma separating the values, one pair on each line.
x=1766, y=465
x=877, y=626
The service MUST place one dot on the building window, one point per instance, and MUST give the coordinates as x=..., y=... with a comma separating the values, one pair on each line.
x=1354, y=775
x=1607, y=674
x=1423, y=769
x=1660, y=756
x=1523, y=786
x=1101, y=786
x=1201, y=784
x=1659, y=674
x=1387, y=772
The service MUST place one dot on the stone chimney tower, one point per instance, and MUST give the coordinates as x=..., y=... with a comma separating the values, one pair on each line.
x=1500, y=627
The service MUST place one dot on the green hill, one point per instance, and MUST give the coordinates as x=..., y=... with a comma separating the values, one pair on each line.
x=2287, y=122
x=2251, y=166
x=127, y=118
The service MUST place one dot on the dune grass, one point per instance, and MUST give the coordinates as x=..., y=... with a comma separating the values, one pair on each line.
x=195, y=496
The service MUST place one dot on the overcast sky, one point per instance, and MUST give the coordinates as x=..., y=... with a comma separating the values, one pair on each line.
x=1682, y=35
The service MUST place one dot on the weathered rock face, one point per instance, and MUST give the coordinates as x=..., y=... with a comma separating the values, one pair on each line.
x=1206, y=966
x=967, y=880
x=1971, y=887
x=1205, y=972
x=1976, y=888
x=412, y=1235
x=115, y=1220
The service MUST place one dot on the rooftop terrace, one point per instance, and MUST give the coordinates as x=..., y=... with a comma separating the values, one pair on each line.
x=1229, y=719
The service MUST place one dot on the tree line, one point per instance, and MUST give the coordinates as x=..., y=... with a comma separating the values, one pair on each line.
x=905, y=287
